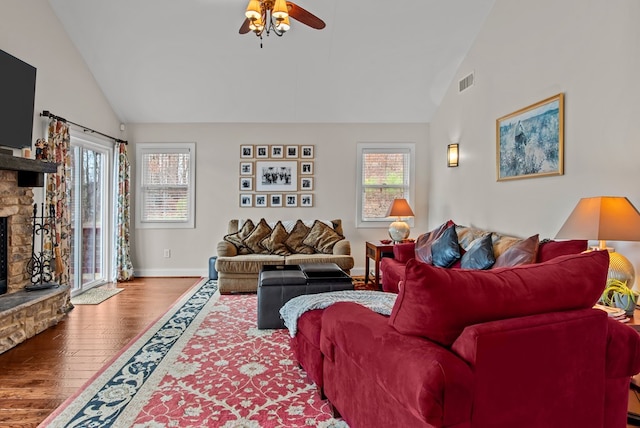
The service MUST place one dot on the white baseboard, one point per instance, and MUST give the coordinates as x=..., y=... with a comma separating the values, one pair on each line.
x=357, y=271
x=171, y=272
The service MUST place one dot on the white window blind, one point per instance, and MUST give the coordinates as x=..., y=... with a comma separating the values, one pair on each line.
x=385, y=173
x=166, y=175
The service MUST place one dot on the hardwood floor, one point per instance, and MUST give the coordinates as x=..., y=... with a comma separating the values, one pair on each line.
x=39, y=374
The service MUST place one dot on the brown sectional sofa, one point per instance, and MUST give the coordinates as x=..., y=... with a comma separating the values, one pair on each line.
x=250, y=245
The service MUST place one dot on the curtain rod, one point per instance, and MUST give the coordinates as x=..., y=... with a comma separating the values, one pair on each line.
x=47, y=113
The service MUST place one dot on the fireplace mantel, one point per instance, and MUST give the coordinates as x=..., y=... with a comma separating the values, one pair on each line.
x=30, y=171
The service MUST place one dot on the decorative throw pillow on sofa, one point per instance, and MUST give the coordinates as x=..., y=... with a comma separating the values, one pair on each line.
x=479, y=255
x=261, y=231
x=522, y=253
x=274, y=242
x=467, y=235
x=425, y=241
x=439, y=303
x=337, y=226
x=237, y=239
x=548, y=250
x=322, y=238
x=445, y=250
x=501, y=243
x=296, y=236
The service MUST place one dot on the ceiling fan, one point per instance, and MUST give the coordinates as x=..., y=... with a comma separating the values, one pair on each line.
x=273, y=16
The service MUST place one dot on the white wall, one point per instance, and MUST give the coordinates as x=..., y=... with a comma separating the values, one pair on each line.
x=217, y=181
x=30, y=31
x=526, y=52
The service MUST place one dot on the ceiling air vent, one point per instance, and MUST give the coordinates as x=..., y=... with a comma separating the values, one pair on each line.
x=465, y=83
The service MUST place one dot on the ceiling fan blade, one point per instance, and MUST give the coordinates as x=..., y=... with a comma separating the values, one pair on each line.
x=244, y=29
x=307, y=18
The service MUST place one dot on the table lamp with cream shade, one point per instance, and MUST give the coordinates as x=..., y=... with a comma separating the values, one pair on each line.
x=399, y=230
x=606, y=218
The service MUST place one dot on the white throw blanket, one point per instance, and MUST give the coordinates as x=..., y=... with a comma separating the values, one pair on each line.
x=377, y=301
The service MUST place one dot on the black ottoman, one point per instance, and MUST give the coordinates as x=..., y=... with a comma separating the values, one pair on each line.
x=279, y=284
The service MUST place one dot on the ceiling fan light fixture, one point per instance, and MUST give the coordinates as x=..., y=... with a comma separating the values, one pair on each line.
x=254, y=10
x=256, y=25
x=280, y=10
x=274, y=17
x=283, y=24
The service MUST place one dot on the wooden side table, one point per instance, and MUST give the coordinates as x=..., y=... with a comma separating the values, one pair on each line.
x=634, y=402
x=635, y=320
x=374, y=251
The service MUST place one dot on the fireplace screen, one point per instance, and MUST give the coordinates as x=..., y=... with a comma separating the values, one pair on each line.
x=41, y=265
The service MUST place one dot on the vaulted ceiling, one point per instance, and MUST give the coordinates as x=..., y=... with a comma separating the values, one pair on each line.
x=175, y=61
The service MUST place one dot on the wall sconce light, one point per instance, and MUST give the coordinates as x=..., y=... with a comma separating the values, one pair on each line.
x=452, y=155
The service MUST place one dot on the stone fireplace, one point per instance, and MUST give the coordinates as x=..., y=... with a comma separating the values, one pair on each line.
x=3, y=255
x=23, y=314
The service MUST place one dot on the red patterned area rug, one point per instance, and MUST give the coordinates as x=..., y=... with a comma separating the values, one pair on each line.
x=204, y=364
x=359, y=284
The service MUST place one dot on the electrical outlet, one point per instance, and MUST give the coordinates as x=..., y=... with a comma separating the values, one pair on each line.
x=167, y=253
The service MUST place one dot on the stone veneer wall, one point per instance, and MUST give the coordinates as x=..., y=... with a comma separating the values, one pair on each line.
x=23, y=314
x=16, y=203
x=30, y=313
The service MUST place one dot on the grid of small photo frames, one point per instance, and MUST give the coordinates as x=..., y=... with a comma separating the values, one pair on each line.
x=276, y=175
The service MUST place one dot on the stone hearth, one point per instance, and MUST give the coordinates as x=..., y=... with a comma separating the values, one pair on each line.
x=23, y=314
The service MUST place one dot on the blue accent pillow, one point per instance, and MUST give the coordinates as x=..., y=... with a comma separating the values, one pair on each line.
x=445, y=250
x=480, y=254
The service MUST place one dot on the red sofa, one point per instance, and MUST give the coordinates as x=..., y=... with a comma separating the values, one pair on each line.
x=514, y=347
x=392, y=269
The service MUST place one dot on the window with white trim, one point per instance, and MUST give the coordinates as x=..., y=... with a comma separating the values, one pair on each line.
x=166, y=185
x=385, y=172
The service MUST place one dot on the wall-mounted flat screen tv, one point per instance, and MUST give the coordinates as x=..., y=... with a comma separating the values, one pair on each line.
x=17, y=96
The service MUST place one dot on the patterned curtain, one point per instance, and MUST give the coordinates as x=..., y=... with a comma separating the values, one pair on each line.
x=56, y=149
x=123, y=266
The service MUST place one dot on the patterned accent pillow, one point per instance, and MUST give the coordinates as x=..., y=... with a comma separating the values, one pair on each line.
x=274, y=242
x=237, y=239
x=445, y=250
x=296, y=236
x=522, y=253
x=337, y=226
x=426, y=240
x=480, y=254
x=468, y=235
x=322, y=238
x=261, y=231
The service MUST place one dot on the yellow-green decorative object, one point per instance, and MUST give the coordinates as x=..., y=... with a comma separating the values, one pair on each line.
x=617, y=295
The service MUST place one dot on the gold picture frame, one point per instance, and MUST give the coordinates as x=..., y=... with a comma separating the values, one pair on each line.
x=530, y=141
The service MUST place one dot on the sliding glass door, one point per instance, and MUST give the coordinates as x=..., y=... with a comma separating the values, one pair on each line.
x=90, y=213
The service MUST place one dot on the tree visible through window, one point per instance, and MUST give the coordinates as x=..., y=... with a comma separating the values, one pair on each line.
x=385, y=171
x=166, y=184
x=384, y=181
